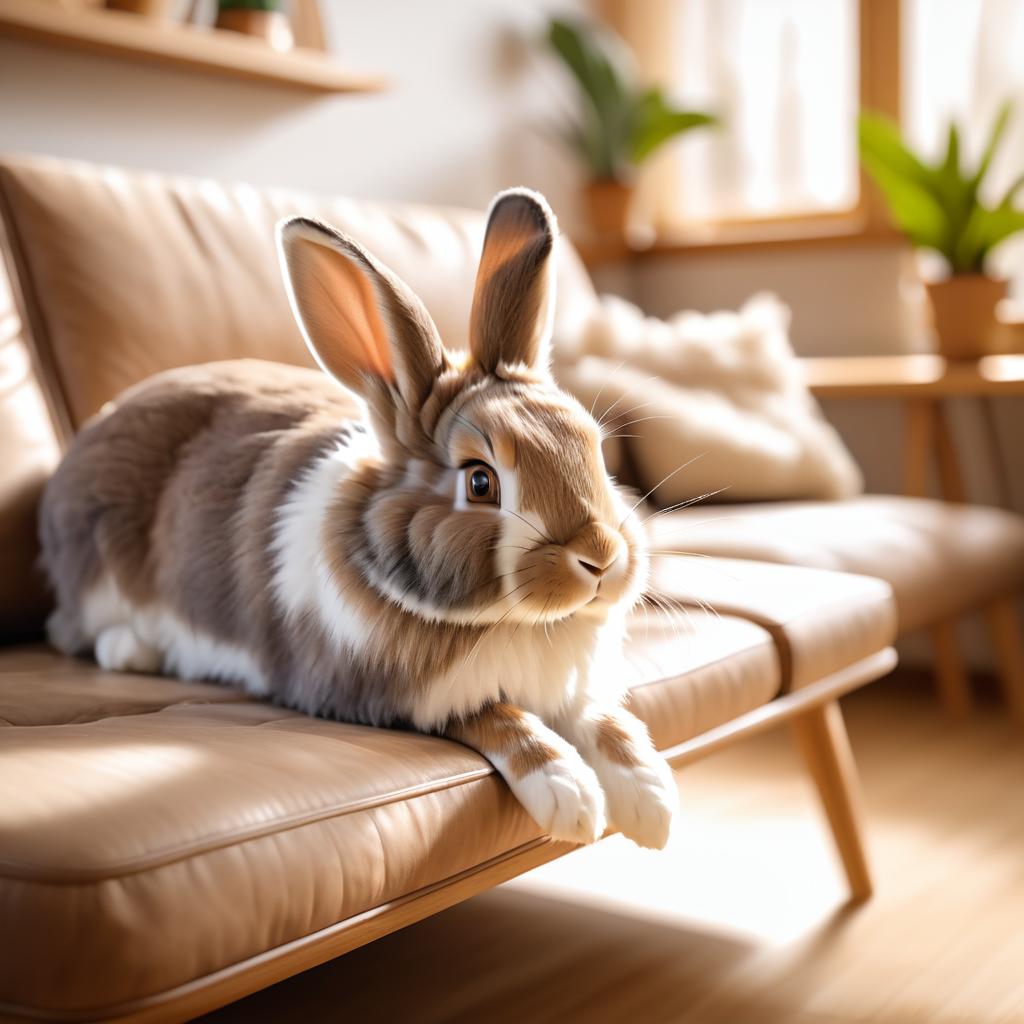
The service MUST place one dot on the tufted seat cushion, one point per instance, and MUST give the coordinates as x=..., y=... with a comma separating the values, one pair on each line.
x=941, y=560
x=180, y=830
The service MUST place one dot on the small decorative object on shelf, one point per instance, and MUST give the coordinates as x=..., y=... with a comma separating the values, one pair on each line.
x=620, y=123
x=264, y=19
x=939, y=206
x=158, y=9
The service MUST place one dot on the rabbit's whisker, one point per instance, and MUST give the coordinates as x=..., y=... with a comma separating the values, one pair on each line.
x=611, y=420
x=600, y=390
x=665, y=479
x=685, y=504
x=492, y=627
x=712, y=561
x=472, y=426
x=642, y=419
x=701, y=522
x=483, y=611
x=545, y=537
x=624, y=395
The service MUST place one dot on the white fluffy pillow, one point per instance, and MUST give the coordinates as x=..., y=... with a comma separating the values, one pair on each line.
x=722, y=389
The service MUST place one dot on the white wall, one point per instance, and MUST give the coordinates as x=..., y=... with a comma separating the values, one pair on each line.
x=461, y=121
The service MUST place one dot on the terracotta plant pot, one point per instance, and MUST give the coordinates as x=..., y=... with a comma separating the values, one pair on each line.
x=271, y=26
x=158, y=9
x=607, y=201
x=964, y=309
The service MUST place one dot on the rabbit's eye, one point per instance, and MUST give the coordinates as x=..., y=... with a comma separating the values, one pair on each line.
x=482, y=485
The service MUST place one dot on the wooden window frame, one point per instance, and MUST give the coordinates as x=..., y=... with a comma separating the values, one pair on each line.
x=643, y=26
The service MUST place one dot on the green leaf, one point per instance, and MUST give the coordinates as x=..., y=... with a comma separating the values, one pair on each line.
x=619, y=124
x=603, y=75
x=1011, y=192
x=655, y=122
x=956, y=195
x=951, y=165
x=880, y=141
x=907, y=184
x=914, y=209
x=995, y=137
x=576, y=138
x=939, y=206
x=987, y=229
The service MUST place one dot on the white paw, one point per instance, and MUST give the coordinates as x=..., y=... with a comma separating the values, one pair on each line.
x=565, y=799
x=641, y=800
x=118, y=649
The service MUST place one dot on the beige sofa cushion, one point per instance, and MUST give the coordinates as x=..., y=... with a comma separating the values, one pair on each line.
x=940, y=559
x=822, y=622
x=126, y=274
x=29, y=451
x=155, y=832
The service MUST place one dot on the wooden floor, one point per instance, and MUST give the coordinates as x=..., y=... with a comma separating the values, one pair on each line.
x=741, y=920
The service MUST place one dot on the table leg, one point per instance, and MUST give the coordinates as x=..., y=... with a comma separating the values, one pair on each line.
x=951, y=479
x=1004, y=624
x=950, y=674
x=918, y=439
x=995, y=448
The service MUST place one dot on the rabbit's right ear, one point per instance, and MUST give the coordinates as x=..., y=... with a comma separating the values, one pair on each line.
x=362, y=323
x=515, y=285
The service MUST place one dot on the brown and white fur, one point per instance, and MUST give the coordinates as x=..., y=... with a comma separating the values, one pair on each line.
x=257, y=524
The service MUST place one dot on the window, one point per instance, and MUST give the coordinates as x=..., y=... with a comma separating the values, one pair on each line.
x=962, y=59
x=788, y=78
x=785, y=82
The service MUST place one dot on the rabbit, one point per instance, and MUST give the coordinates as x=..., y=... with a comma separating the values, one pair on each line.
x=434, y=544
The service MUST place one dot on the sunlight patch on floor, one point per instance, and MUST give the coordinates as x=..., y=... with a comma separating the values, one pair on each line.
x=769, y=882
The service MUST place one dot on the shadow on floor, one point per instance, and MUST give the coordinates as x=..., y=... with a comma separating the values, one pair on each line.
x=505, y=956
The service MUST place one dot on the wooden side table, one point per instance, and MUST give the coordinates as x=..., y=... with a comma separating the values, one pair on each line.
x=923, y=383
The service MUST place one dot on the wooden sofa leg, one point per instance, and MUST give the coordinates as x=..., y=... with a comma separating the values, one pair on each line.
x=821, y=736
x=1004, y=625
x=950, y=674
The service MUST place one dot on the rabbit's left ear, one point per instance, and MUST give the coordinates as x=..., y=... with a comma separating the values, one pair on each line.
x=362, y=323
x=513, y=304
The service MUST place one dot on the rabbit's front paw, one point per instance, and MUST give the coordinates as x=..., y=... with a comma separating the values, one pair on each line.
x=119, y=649
x=641, y=800
x=565, y=799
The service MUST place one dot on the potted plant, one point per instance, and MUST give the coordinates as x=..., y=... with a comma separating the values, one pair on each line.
x=264, y=19
x=939, y=206
x=620, y=123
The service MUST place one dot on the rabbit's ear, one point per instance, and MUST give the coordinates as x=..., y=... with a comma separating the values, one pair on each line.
x=362, y=323
x=515, y=289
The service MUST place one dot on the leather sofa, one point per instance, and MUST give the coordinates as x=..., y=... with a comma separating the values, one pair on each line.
x=166, y=846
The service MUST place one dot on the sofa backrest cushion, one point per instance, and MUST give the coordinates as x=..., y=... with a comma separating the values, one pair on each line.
x=129, y=273
x=29, y=450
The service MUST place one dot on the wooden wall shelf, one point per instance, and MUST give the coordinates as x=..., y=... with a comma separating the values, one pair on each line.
x=208, y=50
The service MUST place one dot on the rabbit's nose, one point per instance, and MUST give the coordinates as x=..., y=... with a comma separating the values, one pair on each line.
x=595, y=549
